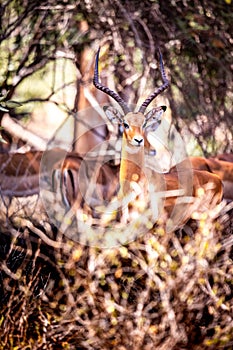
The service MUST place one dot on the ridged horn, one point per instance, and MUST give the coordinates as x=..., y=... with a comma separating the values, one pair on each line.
x=158, y=90
x=105, y=89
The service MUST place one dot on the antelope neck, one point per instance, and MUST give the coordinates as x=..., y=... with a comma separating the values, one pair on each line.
x=132, y=163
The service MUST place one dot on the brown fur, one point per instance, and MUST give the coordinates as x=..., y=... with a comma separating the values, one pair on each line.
x=221, y=168
x=78, y=174
x=19, y=173
x=228, y=157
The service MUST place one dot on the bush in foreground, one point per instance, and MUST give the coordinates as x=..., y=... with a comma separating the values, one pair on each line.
x=162, y=291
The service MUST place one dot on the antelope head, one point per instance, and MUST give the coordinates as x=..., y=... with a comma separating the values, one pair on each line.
x=135, y=125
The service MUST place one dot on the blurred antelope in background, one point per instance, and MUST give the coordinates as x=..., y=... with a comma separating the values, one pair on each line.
x=19, y=173
x=223, y=168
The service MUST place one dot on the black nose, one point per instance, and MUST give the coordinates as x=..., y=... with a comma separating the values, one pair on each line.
x=138, y=141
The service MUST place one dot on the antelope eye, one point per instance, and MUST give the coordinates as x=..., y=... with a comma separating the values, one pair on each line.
x=126, y=125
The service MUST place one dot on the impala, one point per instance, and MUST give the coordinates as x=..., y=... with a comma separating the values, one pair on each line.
x=133, y=172
x=228, y=157
x=84, y=182
x=223, y=168
x=19, y=173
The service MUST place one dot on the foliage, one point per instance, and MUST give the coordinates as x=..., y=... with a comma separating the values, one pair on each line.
x=30, y=37
x=162, y=291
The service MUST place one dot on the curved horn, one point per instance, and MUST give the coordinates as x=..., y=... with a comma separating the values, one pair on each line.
x=159, y=90
x=105, y=89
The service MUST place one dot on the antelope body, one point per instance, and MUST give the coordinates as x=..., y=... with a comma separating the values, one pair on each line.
x=222, y=168
x=19, y=173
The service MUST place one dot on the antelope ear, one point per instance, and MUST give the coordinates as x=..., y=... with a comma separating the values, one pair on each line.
x=156, y=113
x=113, y=114
x=152, y=126
x=153, y=118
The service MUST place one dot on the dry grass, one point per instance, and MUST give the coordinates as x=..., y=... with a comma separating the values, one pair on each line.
x=162, y=291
